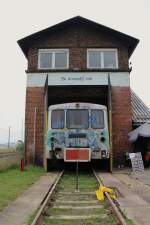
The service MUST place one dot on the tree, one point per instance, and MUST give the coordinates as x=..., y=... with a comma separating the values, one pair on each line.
x=20, y=147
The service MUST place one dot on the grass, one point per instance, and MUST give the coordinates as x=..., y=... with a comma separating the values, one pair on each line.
x=130, y=222
x=57, y=211
x=108, y=221
x=86, y=182
x=13, y=182
x=31, y=218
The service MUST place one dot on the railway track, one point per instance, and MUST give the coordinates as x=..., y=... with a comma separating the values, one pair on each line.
x=66, y=205
x=8, y=154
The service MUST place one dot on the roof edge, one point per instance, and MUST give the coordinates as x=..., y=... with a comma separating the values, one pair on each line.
x=24, y=41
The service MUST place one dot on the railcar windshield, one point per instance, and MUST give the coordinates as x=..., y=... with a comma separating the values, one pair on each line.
x=77, y=119
x=58, y=119
x=97, y=119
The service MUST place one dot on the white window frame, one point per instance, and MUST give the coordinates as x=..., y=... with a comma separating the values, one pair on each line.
x=102, y=50
x=53, y=52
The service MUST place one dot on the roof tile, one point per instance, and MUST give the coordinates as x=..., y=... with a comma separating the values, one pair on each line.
x=140, y=112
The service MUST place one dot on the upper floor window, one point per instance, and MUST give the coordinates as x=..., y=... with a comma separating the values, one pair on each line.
x=102, y=58
x=53, y=59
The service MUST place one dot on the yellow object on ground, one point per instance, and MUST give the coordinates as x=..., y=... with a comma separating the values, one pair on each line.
x=101, y=191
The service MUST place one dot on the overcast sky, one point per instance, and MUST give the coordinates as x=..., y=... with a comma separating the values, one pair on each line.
x=20, y=18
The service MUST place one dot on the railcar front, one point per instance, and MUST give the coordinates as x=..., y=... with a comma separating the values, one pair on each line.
x=77, y=132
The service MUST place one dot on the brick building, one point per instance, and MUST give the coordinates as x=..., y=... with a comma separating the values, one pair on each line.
x=70, y=62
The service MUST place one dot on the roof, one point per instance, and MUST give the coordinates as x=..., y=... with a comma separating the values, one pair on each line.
x=129, y=41
x=141, y=131
x=140, y=112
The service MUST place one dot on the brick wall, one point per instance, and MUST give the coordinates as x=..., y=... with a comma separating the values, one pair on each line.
x=34, y=98
x=77, y=39
x=121, y=119
x=122, y=122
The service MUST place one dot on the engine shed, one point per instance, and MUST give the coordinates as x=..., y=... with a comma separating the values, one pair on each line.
x=77, y=60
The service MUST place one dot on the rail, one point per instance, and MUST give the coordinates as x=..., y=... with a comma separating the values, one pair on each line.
x=115, y=209
x=43, y=207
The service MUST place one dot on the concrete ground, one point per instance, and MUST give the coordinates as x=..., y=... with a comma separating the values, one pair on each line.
x=18, y=212
x=133, y=190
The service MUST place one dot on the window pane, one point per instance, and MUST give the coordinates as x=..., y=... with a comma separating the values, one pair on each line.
x=109, y=59
x=94, y=59
x=57, y=119
x=97, y=119
x=45, y=60
x=78, y=119
x=61, y=60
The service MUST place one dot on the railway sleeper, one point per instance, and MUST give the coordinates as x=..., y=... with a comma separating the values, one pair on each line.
x=80, y=207
x=67, y=206
x=78, y=217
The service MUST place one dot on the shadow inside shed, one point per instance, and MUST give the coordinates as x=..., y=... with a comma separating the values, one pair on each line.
x=65, y=94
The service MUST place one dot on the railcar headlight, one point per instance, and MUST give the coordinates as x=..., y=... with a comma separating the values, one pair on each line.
x=102, y=139
x=52, y=139
x=103, y=153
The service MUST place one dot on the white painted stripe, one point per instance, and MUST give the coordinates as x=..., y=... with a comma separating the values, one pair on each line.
x=36, y=80
x=120, y=79
x=78, y=79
